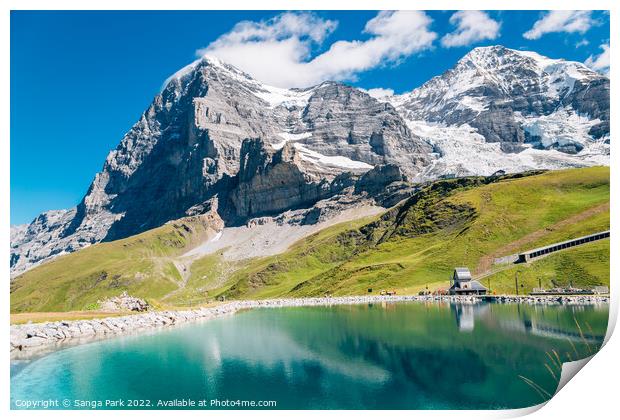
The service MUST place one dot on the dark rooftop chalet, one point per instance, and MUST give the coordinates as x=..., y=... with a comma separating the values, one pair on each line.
x=462, y=283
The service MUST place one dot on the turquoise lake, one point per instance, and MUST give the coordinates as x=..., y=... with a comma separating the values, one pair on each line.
x=381, y=356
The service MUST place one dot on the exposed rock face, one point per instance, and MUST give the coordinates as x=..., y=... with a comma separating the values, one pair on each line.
x=498, y=124
x=43, y=239
x=272, y=182
x=377, y=179
x=124, y=302
x=345, y=121
x=386, y=184
x=591, y=97
x=217, y=140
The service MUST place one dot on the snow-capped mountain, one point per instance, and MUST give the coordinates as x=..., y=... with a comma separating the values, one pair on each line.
x=216, y=140
x=511, y=110
x=501, y=92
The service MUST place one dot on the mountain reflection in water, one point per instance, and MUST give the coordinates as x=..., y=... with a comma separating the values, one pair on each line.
x=406, y=355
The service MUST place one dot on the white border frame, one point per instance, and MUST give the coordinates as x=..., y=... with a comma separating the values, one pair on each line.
x=592, y=394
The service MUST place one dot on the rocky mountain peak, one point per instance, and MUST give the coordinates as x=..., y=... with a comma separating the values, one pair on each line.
x=503, y=94
x=215, y=139
x=493, y=58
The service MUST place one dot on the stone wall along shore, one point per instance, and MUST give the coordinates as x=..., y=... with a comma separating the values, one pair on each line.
x=30, y=339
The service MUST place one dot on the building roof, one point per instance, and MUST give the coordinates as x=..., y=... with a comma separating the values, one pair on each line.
x=470, y=285
x=462, y=274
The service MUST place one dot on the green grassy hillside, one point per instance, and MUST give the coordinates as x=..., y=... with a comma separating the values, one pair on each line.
x=585, y=266
x=452, y=223
x=460, y=222
x=142, y=264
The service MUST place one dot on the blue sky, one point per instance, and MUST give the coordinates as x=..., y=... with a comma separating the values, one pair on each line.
x=80, y=80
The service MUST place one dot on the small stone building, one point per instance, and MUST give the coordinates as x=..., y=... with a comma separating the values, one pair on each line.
x=462, y=283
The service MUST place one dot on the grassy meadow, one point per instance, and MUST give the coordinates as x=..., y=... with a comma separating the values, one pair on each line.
x=461, y=222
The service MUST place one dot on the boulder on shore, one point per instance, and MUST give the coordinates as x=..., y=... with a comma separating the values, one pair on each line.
x=123, y=302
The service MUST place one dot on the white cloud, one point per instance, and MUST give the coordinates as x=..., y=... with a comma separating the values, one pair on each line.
x=600, y=62
x=379, y=93
x=279, y=51
x=582, y=43
x=282, y=26
x=471, y=26
x=561, y=21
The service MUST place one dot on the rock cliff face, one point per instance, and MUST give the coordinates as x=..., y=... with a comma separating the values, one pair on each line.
x=43, y=239
x=217, y=140
x=345, y=121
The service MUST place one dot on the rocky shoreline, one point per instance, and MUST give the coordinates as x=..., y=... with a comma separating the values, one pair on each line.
x=28, y=340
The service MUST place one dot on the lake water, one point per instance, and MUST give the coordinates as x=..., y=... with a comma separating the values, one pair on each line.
x=404, y=355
